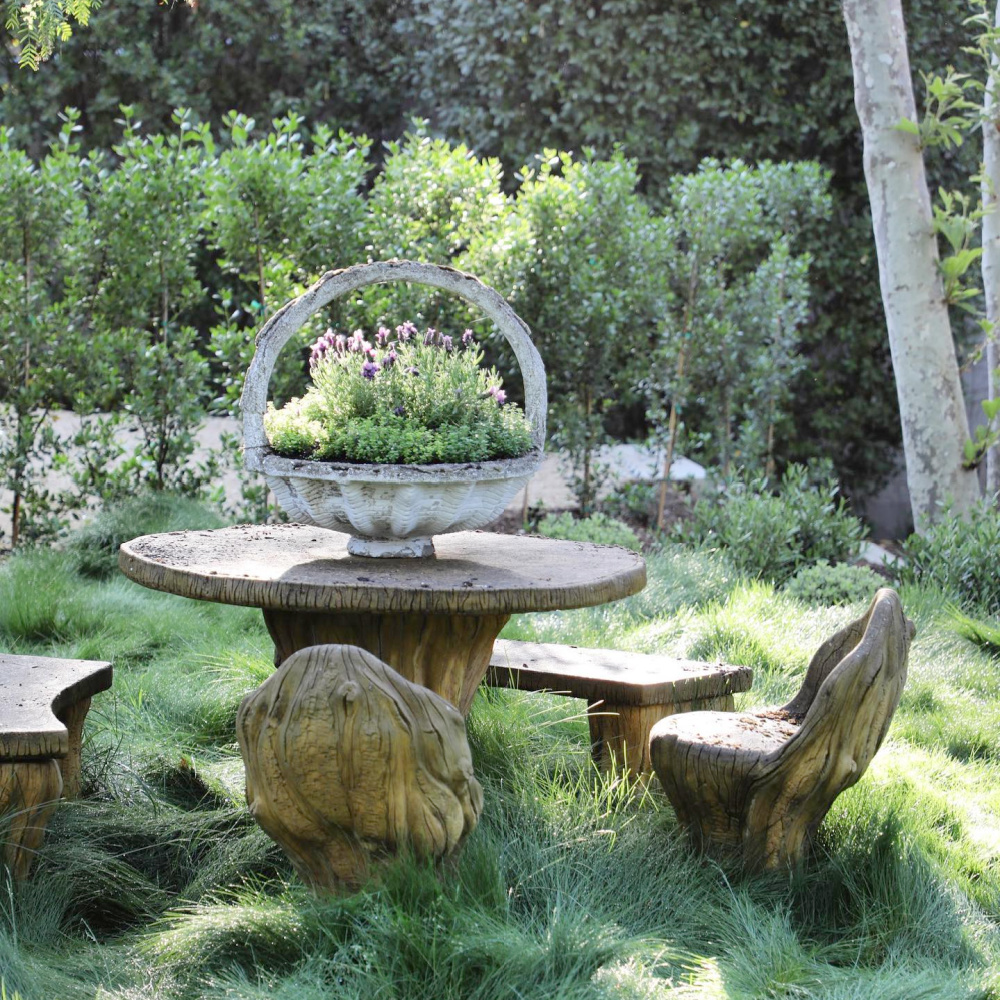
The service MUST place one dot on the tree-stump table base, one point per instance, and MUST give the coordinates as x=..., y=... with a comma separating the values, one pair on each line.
x=448, y=653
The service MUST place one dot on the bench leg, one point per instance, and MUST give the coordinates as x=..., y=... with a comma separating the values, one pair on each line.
x=619, y=734
x=29, y=792
x=72, y=718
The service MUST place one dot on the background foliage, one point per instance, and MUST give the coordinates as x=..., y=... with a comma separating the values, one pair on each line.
x=669, y=85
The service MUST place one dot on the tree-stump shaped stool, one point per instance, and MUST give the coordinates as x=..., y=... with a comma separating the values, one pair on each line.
x=43, y=703
x=759, y=783
x=347, y=763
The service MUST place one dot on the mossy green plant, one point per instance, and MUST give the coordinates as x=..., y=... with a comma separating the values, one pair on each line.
x=406, y=399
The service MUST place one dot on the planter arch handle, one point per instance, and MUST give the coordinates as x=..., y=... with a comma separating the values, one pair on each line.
x=277, y=331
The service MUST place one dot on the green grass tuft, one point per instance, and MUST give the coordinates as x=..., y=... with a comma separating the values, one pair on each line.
x=158, y=884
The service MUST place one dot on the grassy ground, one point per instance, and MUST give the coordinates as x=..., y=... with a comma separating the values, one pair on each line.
x=157, y=884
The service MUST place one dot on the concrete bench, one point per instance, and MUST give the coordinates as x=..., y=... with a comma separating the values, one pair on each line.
x=43, y=702
x=627, y=693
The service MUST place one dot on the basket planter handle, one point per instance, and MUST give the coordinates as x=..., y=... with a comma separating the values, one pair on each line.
x=277, y=331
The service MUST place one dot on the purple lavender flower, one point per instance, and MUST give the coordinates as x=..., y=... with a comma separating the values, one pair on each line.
x=324, y=343
x=383, y=335
x=390, y=358
x=340, y=344
x=430, y=337
x=498, y=394
x=357, y=344
x=368, y=369
x=446, y=343
x=400, y=411
x=412, y=371
x=406, y=330
x=467, y=338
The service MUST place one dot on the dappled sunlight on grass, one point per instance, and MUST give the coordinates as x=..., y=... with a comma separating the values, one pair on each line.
x=575, y=884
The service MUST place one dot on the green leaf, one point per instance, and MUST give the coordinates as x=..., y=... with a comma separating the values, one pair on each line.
x=991, y=407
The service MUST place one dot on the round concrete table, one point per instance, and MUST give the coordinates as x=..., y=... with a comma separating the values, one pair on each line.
x=356, y=745
x=433, y=620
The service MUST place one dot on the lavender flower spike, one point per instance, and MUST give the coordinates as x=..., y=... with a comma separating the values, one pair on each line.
x=368, y=369
x=467, y=338
x=389, y=358
x=382, y=337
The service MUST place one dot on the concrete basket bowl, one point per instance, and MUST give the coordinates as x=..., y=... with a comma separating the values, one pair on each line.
x=391, y=510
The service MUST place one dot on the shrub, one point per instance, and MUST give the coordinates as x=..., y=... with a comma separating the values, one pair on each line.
x=771, y=535
x=583, y=264
x=410, y=400
x=599, y=528
x=512, y=78
x=958, y=554
x=95, y=547
x=826, y=583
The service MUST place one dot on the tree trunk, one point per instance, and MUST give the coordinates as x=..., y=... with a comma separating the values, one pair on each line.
x=931, y=407
x=668, y=459
x=991, y=246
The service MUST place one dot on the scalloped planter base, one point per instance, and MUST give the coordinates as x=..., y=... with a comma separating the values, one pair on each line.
x=392, y=511
x=391, y=548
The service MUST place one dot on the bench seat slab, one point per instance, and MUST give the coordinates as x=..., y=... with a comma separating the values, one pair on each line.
x=35, y=691
x=43, y=704
x=627, y=693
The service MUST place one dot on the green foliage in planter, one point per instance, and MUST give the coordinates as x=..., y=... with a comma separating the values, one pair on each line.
x=600, y=528
x=958, y=554
x=837, y=583
x=770, y=535
x=411, y=400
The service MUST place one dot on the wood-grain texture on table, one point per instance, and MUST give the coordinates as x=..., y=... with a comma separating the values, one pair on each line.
x=295, y=567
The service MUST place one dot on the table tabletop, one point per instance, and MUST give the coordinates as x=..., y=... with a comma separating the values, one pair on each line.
x=295, y=567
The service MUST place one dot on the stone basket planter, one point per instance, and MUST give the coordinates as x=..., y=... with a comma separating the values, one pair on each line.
x=391, y=510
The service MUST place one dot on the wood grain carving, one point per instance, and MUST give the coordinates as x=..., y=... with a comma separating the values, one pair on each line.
x=447, y=653
x=29, y=793
x=347, y=763
x=760, y=783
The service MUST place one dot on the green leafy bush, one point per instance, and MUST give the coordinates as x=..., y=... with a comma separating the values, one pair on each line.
x=958, y=554
x=833, y=583
x=582, y=261
x=95, y=546
x=770, y=535
x=410, y=400
x=599, y=528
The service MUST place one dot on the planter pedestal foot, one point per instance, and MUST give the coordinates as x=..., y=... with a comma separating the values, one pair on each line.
x=421, y=547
